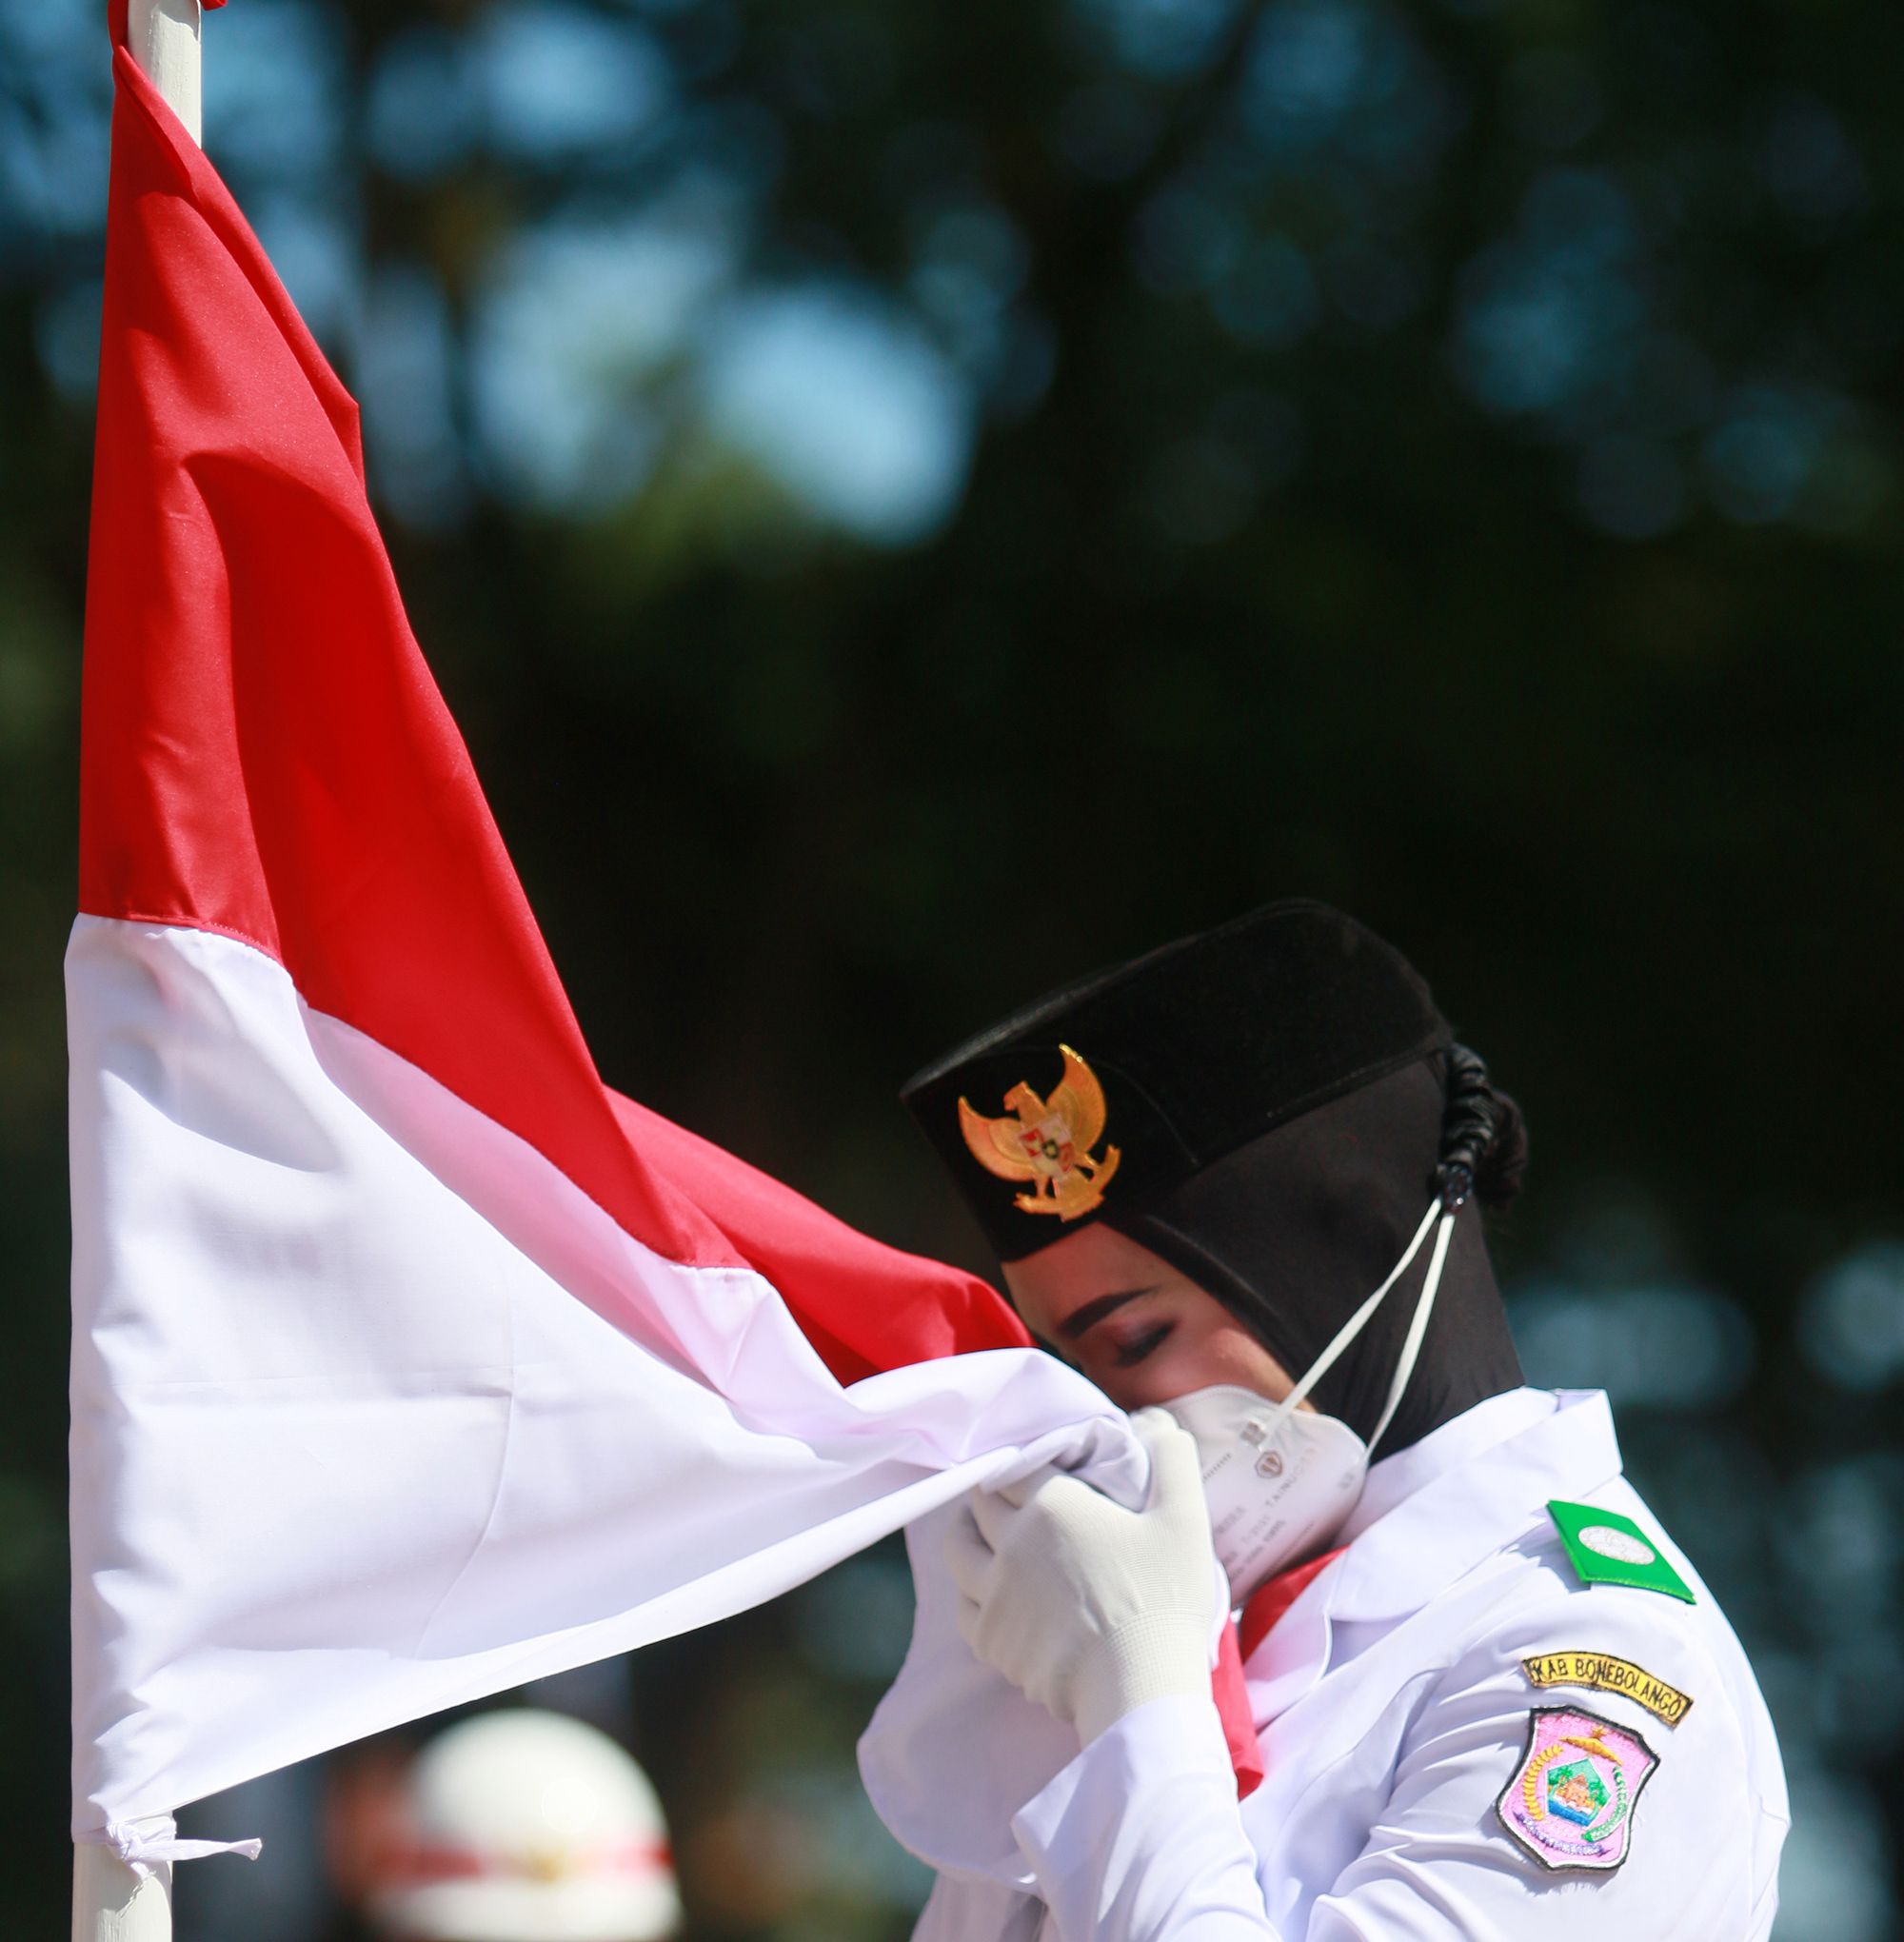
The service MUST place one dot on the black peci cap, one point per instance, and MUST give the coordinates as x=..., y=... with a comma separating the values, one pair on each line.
x=1112, y=1091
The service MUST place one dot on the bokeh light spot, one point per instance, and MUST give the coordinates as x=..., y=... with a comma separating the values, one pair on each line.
x=1850, y=1323
x=846, y=401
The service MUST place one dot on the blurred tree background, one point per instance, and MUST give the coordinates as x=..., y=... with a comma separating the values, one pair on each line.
x=910, y=502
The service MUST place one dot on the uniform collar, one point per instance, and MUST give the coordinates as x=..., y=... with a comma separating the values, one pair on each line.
x=1396, y=1479
x=1431, y=1513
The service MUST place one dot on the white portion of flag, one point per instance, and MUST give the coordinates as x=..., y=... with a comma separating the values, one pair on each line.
x=352, y=1438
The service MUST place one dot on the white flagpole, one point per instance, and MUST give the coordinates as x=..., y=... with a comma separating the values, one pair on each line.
x=110, y=1902
x=162, y=35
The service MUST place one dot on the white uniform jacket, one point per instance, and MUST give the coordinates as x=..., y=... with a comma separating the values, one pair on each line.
x=1449, y=1672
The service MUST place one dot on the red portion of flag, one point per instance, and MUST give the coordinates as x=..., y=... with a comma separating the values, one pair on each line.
x=265, y=755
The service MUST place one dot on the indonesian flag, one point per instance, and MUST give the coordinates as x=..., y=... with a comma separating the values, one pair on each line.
x=410, y=1362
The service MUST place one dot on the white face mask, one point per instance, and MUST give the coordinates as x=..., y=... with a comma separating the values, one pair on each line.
x=1280, y=1481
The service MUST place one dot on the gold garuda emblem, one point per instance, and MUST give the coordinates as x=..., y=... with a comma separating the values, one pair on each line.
x=1048, y=1143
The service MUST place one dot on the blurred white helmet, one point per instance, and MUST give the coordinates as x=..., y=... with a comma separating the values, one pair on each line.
x=528, y=1827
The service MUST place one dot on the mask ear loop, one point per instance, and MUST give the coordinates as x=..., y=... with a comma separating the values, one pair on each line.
x=1360, y=1320
x=1410, y=1348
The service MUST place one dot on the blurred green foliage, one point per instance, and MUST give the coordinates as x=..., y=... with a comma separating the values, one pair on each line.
x=910, y=503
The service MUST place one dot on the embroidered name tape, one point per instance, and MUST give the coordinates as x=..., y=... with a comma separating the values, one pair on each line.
x=1606, y=1674
x=1569, y=1803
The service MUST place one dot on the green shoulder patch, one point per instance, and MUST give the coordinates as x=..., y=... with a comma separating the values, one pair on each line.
x=1606, y=1549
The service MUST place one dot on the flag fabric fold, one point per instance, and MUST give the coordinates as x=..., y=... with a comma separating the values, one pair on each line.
x=409, y=1361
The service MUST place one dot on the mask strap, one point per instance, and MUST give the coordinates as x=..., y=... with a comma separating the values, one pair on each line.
x=1354, y=1325
x=1418, y=1328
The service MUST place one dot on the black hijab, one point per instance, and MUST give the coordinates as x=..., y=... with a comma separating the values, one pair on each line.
x=1293, y=1231
x=1269, y=1106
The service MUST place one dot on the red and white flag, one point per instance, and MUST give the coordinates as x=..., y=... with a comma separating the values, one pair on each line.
x=410, y=1362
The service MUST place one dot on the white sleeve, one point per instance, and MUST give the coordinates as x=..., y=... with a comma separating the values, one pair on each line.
x=962, y=1910
x=1140, y=1839
x=1440, y=1865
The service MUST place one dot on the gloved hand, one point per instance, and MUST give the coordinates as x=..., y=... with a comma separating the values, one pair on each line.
x=1087, y=1607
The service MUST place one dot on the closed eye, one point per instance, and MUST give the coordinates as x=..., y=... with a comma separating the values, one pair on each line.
x=1133, y=1351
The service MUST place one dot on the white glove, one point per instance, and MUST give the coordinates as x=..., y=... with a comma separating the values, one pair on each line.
x=1087, y=1607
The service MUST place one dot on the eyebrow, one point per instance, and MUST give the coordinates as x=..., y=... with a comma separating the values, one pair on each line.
x=1082, y=1321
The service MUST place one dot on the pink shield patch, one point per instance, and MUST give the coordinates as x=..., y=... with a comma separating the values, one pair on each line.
x=1569, y=1803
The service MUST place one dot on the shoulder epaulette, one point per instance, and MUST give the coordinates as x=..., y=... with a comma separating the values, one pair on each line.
x=1606, y=1549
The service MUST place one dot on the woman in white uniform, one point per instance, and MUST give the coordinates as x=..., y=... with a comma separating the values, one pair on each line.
x=1236, y=1184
